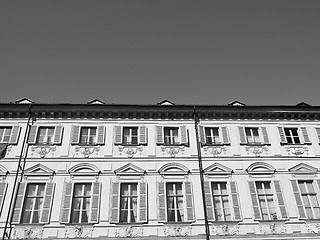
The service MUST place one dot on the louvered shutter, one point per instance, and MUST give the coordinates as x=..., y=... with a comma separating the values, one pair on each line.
x=95, y=202
x=162, y=202
x=160, y=137
x=242, y=134
x=19, y=203
x=3, y=190
x=189, y=201
x=183, y=135
x=58, y=135
x=235, y=200
x=75, y=139
x=47, y=203
x=100, y=135
x=297, y=196
x=265, y=135
x=254, y=199
x=118, y=135
x=66, y=202
x=318, y=134
x=115, y=202
x=32, y=135
x=225, y=137
x=202, y=137
x=281, y=202
x=14, y=135
x=143, y=210
x=208, y=200
x=143, y=135
x=305, y=136
x=283, y=139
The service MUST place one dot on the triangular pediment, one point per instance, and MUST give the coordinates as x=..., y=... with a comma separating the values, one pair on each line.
x=39, y=169
x=217, y=168
x=260, y=168
x=303, y=169
x=129, y=169
x=95, y=101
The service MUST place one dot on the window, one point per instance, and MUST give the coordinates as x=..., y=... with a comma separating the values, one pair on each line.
x=45, y=135
x=127, y=135
x=81, y=203
x=266, y=202
x=33, y=203
x=253, y=135
x=294, y=135
x=5, y=134
x=175, y=210
x=171, y=135
x=221, y=201
x=130, y=135
x=88, y=135
x=128, y=202
x=213, y=135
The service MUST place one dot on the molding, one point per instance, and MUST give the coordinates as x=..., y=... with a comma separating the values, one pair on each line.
x=129, y=169
x=303, y=168
x=39, y=170
x=84, y=169
x=174, y=169
x=260, y=168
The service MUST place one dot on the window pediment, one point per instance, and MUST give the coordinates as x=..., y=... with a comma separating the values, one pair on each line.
x=84, y=169
x=217, y=168
x=39, y=169
x=260, y=168
x=303, y=168
x=129, y=169
x=174, y=169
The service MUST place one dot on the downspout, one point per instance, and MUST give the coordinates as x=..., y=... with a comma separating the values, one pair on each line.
x=20, y=168
x=196, y=121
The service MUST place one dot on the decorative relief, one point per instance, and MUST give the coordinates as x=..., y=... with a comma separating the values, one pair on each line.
x=215, y=151
x=297, y=151
x=43, y=150
x=256, y=150
x=172, y=151
x=313, y=228
x=273, y=229
x=87, y=151
x=78, y=231
x=225, y=230
x=28, y=233
x=177, y=231
x=130, y=151
x=128, y=232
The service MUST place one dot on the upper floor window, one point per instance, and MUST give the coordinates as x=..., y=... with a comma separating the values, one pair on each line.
x=172, y=135
x=131, y=135
x=213, y=135
x=9, y=134
x=253, y=135
x=88, y=135
x=294, y=135
x=45, y=135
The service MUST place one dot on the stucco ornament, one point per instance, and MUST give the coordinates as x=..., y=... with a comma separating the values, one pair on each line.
x=297, y=151
x=225, y=230
x=43, y=150
x=130, y=151
x=78, y=231
x=28, y=233
x=128, y=232
x=257, y=150
x=177, y=231
x=313, y=228
x=273, y=228
x=172, y=151
x=87, y=151
x=215, y=151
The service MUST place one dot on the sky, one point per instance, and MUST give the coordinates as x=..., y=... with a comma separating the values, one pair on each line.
x=259, y=52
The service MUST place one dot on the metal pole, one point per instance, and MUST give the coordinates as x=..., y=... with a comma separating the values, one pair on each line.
x=6, y=235
x=196, y=120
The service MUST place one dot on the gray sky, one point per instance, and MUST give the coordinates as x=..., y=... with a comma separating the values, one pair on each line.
x=190, y=52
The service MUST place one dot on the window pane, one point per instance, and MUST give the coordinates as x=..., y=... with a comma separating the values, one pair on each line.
x=75, y=217
x=84, y=217
x=87, y=189
x=310, y=187
x=26, y=215
x=36, y=217
x=302, y=187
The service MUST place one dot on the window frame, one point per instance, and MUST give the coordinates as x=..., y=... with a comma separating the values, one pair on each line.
x=182, y=136
x=262, y=131
x=88, y=135
x=34, y=134
x=5, y=128
x=46, y=128
x=76, y=135
x=302, y=135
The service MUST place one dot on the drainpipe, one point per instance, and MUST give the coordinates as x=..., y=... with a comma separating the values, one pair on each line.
x=20, y=168
x=196, y=121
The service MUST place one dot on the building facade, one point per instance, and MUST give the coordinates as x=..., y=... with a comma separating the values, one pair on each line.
x=160, y=171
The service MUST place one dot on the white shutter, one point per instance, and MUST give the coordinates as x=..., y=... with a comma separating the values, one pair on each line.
x=118, y=135
x=58, y=130
x=33, y=135
x=15, y=135
x=143, y=135
x=183, y=135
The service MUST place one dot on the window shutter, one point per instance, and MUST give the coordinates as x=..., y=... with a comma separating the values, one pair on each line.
x=202, y=137
x=283, y=138
x=235, y=200
x=118, y=135
x=66, y=202
x=254, y=199
x=305, y=136
x=3, y=189
x=208, y=200
x=47, y=203
x=297, y=196
x=115, y=202
x=318, y=134
x=95, y=202
x=14, y=135
x=242, y=134
x=189, y=201
x=265, y=135
x=32, y=135
x=143, y=135
x=75, y=134
x=100, y=135
x=162, y=202
x=160, y=137
x=143, y=210
x=57, y=135
x=225, y=137
x=183, y=135
x=281, y=203
x=19, y=203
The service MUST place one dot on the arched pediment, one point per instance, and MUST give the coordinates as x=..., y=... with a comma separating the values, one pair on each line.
x=84, y=169
x=39, y=169
x=3, y=171
x=303, y=168
x=217, y=168
x=260, y=168
x=174, y=168
x=129, y=169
